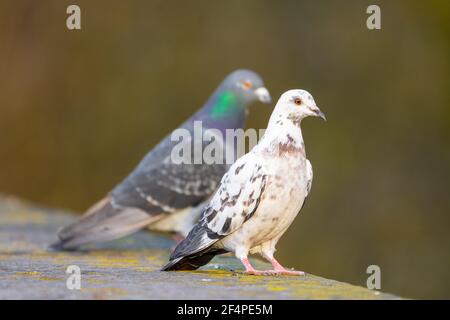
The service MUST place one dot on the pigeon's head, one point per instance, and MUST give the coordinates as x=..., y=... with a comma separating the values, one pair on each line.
x=298, y=104
x=247, y=86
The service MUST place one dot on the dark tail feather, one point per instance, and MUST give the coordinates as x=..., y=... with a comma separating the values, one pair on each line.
x=101, y=223
x=59, y=246
x=194, y=261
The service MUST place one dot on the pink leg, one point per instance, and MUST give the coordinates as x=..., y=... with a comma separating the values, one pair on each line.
x=279, y=269
x=250, y=270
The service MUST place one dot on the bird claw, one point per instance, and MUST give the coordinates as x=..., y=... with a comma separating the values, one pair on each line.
x=289, y=272
x=256, y=272
x=274, y=273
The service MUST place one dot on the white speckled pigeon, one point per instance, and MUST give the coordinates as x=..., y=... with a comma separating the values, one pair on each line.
x=162, y=194
x=259, y=197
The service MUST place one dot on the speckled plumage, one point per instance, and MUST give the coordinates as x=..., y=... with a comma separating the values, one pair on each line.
x=260, y=195
x=159, y=193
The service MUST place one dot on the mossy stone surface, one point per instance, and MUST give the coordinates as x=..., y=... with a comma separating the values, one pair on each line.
x=129, y=268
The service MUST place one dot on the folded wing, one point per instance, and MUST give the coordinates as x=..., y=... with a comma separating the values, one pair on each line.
x=233, y=204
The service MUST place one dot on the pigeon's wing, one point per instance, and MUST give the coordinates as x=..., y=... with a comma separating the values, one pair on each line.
x=233, y=204
x=237, y=199
x=159, y=184
x=309, y=176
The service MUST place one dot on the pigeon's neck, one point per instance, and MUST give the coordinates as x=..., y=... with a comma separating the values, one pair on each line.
x=283, y=136
x=224, y=110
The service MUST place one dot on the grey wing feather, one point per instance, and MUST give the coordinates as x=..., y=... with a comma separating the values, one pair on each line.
x=159, y=185
x=155, y=187
x=103, y=222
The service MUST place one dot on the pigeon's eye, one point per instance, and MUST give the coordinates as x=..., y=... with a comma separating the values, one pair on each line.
x=298, y=101
x=246, y=85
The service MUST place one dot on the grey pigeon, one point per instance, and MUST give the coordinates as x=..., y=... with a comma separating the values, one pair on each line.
x=259, y=197
x=162, y=194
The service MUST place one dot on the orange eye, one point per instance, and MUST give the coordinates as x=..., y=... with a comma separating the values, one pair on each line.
x=298, y=101
x=246, y=84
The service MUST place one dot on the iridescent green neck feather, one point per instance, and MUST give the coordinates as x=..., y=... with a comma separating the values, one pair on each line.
x=225, y=105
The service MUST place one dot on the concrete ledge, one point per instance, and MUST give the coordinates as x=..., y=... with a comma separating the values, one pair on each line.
x=129, y=268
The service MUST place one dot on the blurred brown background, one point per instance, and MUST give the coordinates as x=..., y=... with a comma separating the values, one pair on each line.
x=80, y=108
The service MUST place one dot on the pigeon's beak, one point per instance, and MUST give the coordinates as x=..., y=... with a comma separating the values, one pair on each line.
x=319, y=113
x=263, y=95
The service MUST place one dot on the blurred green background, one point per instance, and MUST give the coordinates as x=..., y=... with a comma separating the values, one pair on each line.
x=80, y=108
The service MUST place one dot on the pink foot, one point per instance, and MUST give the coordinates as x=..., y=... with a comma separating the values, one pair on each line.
x=288, y=272
x=250, y=270
x=258, y=272
x=278, y=269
